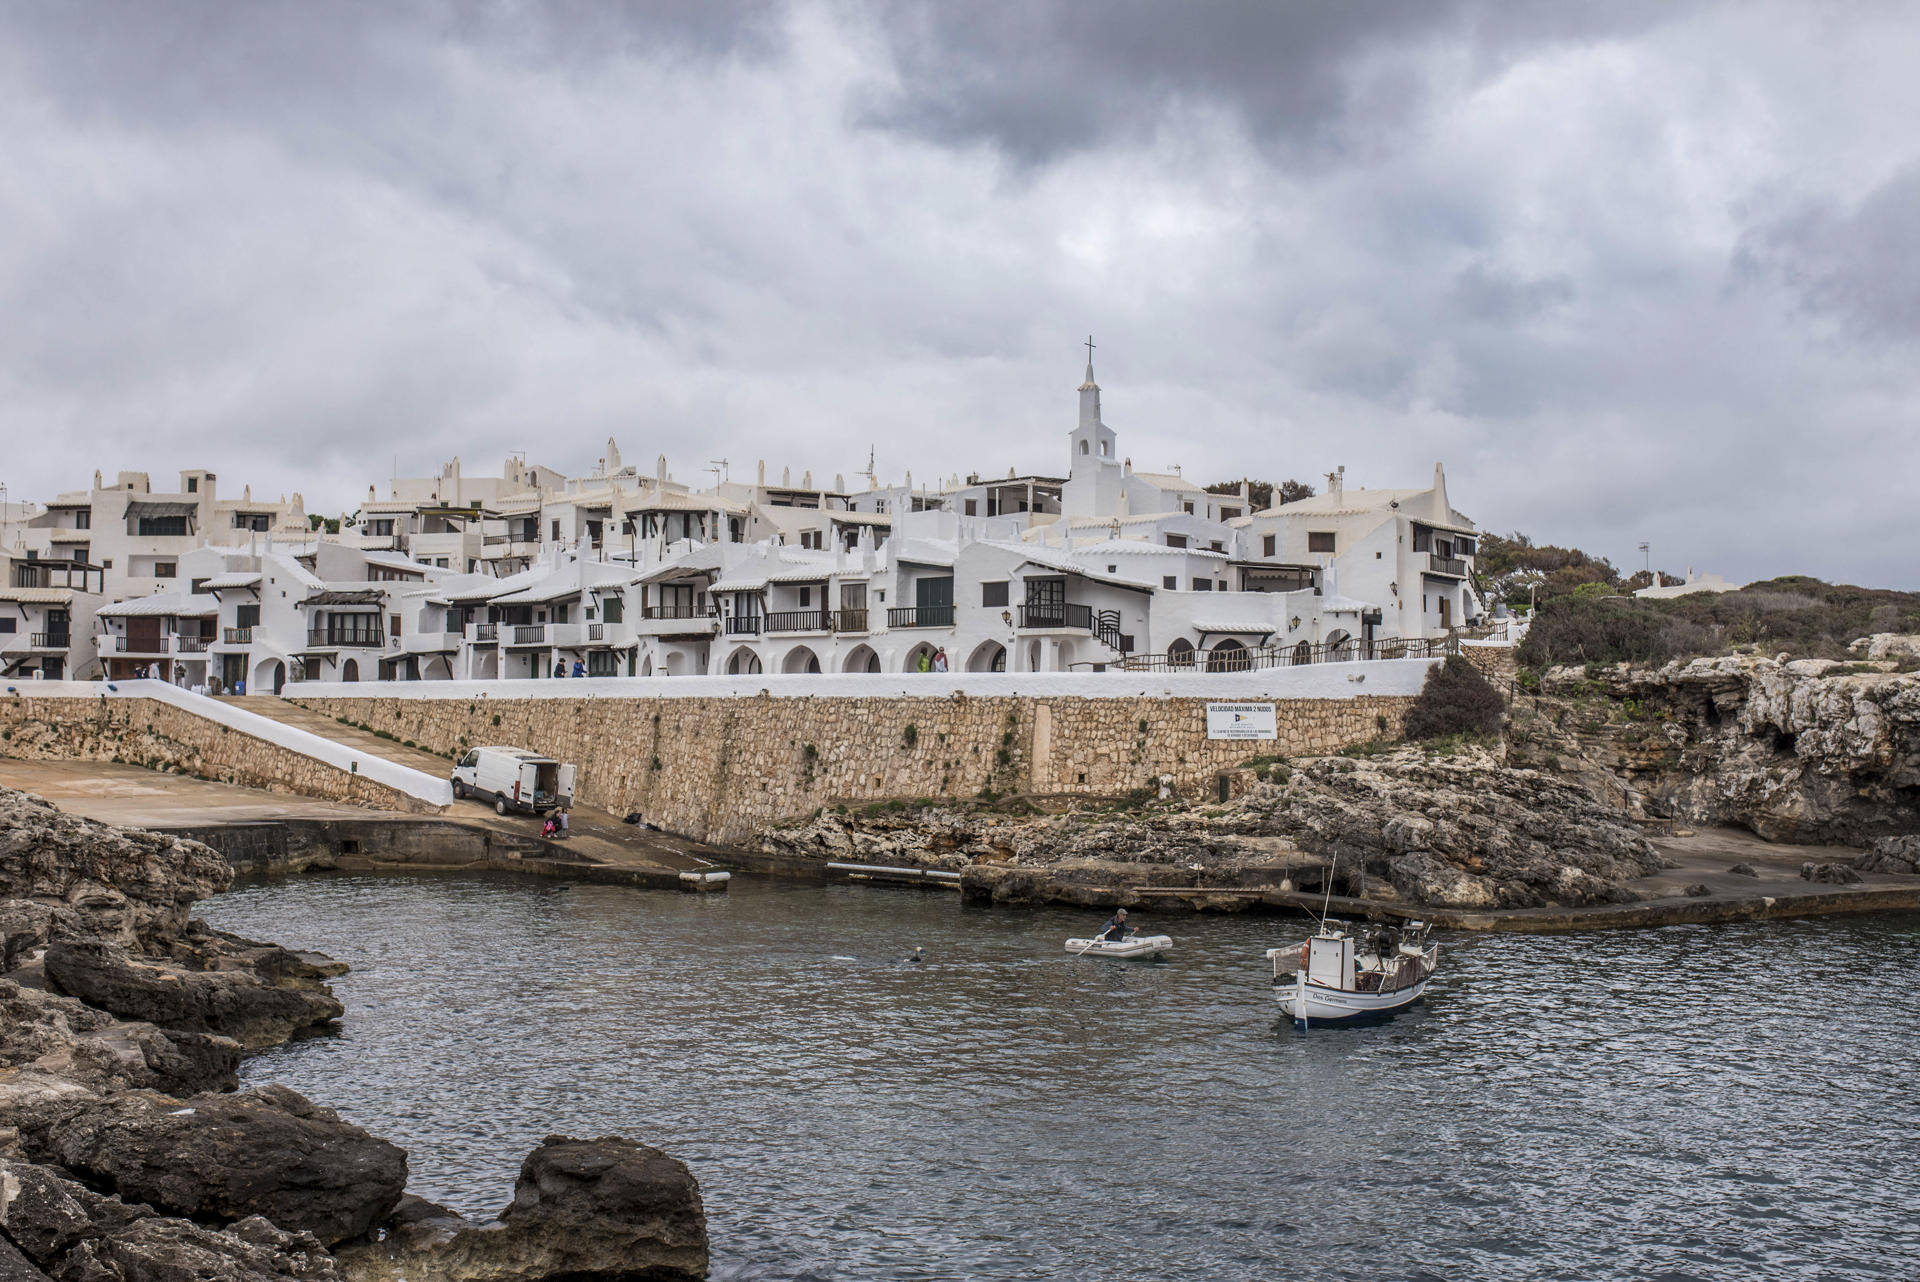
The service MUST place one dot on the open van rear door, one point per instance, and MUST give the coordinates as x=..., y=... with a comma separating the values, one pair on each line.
x=566, y=783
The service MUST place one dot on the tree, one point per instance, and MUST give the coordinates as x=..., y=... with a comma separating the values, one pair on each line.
x=1262, y=493
x=1456, y=699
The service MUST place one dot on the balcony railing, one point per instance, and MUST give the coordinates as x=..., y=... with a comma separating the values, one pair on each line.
x=1446, y=565
x=334, y=638
x=850, y=621
x=1056, y=614
x=596, y=632
x=237, y=636
x=921, y=616
x=743, y=625
x=486, y=632
x=798, y=621
x=529, y=633
x=111, y=644
x=192, y=645
x=52, y=640
x=670, y=612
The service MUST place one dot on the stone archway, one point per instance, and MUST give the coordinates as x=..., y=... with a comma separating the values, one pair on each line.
x=988, y=656
x=912, y=661
x=861, y=659
x=800, y=659
x=743, y=663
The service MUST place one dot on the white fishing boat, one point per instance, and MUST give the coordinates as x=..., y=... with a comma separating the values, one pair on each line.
x=1337, y=977
x=1135, y=946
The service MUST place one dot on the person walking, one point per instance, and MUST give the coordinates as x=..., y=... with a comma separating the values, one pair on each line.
x=940, y=659
x=560, y=669
x=579, y=668
x=563, y=816
x=925, y=662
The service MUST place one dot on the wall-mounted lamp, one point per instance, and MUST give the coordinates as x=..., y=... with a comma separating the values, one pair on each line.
x=1394, y=588
x=1293, y=624
x=1006, y=617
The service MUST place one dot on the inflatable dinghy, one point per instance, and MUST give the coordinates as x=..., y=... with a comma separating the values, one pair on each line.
x=1141, y=946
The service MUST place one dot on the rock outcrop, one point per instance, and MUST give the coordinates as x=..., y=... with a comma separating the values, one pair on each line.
x=1806, y=750
x=1457, y=831
x=607, y=1209
x=123, y=1158
x=224, y=1158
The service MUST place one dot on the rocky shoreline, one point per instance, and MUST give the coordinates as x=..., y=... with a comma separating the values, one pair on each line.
x=126, y=1153
x=1556, y=812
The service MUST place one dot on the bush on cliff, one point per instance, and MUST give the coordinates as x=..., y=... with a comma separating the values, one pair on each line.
x=1455, y=700
x=1802, y=616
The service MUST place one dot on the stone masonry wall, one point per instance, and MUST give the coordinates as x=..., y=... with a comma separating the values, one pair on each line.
x=147, y=732
x=721, y=769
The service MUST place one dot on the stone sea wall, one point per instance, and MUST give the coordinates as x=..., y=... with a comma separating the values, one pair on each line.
x=160, y=736
x=725, y=768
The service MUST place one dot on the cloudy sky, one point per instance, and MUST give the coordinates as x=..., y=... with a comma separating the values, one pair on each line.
x=1647, y=270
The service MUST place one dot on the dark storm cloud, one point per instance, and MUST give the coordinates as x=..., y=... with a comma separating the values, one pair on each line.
x=1858, y=267
x=1312, y=80
x=1615, y=264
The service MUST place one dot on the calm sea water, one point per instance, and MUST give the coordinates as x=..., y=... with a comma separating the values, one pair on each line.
x=1696, y=1102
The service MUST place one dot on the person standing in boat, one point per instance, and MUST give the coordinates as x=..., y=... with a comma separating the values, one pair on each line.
x=1116, y=929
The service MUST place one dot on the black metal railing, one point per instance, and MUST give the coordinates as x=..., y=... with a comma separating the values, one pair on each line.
x=237, y=636
x=529, y=634
x=798, y=621
x=192, y=645
x=486, y=632
x=1056, y=614
x=670, y=612
x=1242, y=658
x=370, y=638
x=850, y=621
x=743, y=625
x=596, y=632
x=52, y=640
x=921, y=616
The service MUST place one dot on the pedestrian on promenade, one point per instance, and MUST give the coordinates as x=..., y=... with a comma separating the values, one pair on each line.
x=560, y=669
x=925, y=663
x=579, y=668
x=940, y=659
x=563, y=816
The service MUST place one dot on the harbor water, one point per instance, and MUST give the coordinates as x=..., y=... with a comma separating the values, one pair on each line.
x=1714, y=1102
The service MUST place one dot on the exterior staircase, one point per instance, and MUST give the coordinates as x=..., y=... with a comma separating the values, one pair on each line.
x=364, y=741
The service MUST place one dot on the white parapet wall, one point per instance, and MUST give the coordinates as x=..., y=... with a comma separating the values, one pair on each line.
x=1307, y=681
x=428, y=788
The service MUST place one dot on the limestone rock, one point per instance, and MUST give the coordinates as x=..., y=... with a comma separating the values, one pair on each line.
x=1833, y=874
x=66, y=1231
x=125, y=886
x=1744, y=870
x=238, y=1003
x=58, y=1034
x=606, y=1209
x=266, y=1152
x=1891, y=854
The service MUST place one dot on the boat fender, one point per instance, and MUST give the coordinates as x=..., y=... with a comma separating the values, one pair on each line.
x=1306, y=951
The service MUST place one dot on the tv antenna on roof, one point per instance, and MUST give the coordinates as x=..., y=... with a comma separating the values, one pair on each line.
x=718, y=466
x=872, y=481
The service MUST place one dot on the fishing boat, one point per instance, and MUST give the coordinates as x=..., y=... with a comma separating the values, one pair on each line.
x=1338, y=976
x=1143, y=947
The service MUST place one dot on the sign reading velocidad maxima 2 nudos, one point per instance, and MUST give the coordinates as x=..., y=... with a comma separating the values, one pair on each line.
x=1241, y=721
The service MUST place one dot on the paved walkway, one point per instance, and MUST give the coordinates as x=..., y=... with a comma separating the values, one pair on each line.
x=291, y=714
x=139, y=798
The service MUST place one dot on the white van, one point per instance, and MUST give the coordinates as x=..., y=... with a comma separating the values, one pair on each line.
x=513, y=779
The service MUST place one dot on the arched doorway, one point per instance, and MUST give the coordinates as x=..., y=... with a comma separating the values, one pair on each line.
x=646, y=666
x=1340, y=646
x=1228, y=656
x=988, y=656
x=912, y=663
x=350, y=670
x=1180, y=653
x=279, y=676
x=744, y=663
x=861, y=659
x=1033, y=656
x=801, y=659
x=1303, y=653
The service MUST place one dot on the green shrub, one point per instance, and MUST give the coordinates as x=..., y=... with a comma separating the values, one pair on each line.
x=1456, y=699
x=911, y=735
